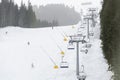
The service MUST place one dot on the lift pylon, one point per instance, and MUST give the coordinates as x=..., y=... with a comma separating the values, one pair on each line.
x=77, y=41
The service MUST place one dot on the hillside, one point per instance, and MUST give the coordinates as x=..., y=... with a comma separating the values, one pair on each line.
x=21, y=60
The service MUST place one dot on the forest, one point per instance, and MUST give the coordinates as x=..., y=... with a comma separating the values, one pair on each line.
x=28, y=16
x=110, y=34
x=23, y=16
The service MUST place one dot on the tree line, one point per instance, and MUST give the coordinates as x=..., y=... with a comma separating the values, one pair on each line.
x=23, y=16
x=110, y=34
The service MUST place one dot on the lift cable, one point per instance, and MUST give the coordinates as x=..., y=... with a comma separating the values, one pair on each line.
x=48, y=56
x=54, y=41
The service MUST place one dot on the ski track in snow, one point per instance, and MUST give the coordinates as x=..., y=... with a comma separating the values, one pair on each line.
x=16, y=56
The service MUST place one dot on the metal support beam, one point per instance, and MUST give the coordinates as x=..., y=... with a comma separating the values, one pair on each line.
x=88, y=18
x=77, y=55
x=88, y=28
x=77, y=60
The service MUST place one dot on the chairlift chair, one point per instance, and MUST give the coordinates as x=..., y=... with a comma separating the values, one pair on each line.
x=84, y=22
x=79, y=34
x=82, y=26
x=79, y=30
x=71, y=46
x=88, y=45
x=84, y=50
x=64, y=64
x=91, y=34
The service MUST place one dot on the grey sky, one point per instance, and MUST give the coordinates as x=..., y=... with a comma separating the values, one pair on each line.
x=71, y=3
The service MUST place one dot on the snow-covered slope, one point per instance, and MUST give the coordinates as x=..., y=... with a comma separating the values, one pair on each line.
x=25, y=55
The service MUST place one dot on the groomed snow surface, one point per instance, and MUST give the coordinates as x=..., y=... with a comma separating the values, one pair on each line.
x=24, y=55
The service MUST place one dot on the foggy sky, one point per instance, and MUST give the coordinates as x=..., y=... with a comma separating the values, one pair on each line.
x=70, y=3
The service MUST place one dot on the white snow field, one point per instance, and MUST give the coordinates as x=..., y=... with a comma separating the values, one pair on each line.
x=20, y=60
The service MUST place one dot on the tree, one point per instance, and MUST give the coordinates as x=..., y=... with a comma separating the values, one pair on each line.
x=30, y=16
x=22, y=15
x=3, y=12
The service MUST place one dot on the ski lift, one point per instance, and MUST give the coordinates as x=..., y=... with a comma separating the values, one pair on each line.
x=71, y=46
x=82, y=26
x=79, y=32
x=88, y=45
x=91, y=34
x=84, y=50
x=64, y=64
x=86, y=3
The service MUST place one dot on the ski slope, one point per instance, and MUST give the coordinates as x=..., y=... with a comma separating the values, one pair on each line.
x=22, y=61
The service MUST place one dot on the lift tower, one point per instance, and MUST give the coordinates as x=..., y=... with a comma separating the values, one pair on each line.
x=88, y=18
x=93, y=10
x=77, y=40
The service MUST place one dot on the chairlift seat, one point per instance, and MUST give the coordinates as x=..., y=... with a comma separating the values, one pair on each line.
x=84, y=50
x=71, y=47
x=64, y=65
x=91, y=34
x=82, y=27
x=79, y=30
x=88, y=45
x=79, y=34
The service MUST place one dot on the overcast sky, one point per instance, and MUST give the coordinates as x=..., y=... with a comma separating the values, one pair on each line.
x=71, y=3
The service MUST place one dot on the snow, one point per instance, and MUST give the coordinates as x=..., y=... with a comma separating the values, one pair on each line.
x=17, y=57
